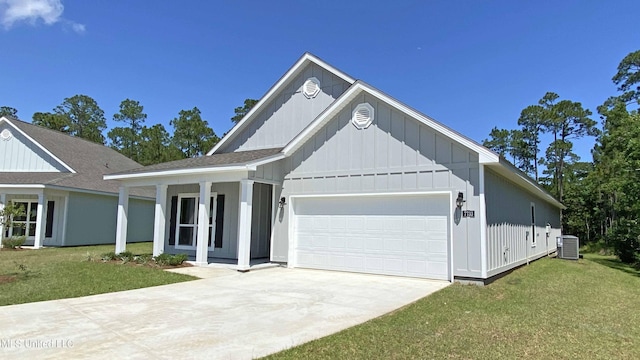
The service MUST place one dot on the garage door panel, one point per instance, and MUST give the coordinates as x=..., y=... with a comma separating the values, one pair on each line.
x=405, y=236
x=437, y=247
x=374, y=245
x=338, y=243
x=418, y=245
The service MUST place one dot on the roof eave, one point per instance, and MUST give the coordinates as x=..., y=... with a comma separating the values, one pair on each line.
x=182, y=171
x=249, y=166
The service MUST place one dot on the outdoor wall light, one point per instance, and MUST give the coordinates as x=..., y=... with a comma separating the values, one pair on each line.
x=282, y=202
x=460, y=199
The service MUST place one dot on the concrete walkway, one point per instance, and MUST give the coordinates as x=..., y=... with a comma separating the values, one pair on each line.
x=228, y=315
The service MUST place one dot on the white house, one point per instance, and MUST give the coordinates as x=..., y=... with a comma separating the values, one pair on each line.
x=328, y=172
x=57, y=179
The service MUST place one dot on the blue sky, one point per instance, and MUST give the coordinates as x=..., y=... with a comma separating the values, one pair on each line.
x=471, y=65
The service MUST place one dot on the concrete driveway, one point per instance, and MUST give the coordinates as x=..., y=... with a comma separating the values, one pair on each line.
x=227, y=315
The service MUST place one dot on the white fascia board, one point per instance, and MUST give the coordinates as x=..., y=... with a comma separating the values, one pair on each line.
x=485, y=155
x=175, y=172
x=94, y=192
x=38, y=144
x=293, y=71
x=23, y=186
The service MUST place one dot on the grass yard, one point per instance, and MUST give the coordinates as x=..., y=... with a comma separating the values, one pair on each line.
x=552, y=309
x=58, y=273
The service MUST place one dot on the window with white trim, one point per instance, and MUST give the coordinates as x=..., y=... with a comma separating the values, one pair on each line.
x=533, y=224
x=186, y=234
x=25, y=225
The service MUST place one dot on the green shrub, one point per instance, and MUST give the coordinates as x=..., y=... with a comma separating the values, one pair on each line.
x=599, y=247
x=143, y=259
x=178, y=259
x=162, y=259
x=126, y=256
x=13, y=242
x=110, y=256
x=170, y=260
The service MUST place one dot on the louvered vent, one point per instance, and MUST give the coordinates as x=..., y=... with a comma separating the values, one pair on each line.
x=311, y=87
x=6, y=135
x=362, y=116
x=569, y=247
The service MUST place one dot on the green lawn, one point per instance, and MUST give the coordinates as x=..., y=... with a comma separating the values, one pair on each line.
x=552, y=309
x=57, y=273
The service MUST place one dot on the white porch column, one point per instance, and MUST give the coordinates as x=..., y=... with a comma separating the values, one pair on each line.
x=121, y=225
x=202, y=246
x=40, y=220
x=244, y=224
x=3, y=200
x=159, y=220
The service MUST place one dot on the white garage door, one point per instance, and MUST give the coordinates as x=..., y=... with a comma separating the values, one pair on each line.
x=391, y=235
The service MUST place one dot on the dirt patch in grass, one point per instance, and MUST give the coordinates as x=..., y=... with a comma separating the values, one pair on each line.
x=5, y=279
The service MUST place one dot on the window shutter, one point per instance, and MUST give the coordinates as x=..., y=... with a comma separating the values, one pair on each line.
x=48, y=232
x=219, y=221
x=172, y=220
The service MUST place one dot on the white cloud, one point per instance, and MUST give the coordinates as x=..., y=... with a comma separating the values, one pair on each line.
x=79, y=28
x=32, y=11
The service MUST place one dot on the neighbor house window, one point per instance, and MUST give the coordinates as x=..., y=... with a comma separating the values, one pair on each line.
x=26, y=223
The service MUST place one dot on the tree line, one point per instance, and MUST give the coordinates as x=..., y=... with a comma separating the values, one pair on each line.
x=602, y=196
x=80, y=116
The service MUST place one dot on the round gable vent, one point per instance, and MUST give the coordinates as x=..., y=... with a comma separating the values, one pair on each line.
x=311, y=87
x=362, y=116
x=6, y=135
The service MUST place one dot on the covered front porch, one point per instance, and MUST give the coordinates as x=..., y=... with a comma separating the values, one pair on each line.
x=218, y=215
x=43, y=222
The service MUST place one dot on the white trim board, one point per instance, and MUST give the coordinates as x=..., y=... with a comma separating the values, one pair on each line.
x=38, y=144
x=249, y=166
x=291, y=73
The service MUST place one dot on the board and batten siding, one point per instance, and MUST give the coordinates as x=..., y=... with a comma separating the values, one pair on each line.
x=270, y=173
x=289, y=112
x=509, y=220
x=91, y=219
x=395, y=154
x=19, y=154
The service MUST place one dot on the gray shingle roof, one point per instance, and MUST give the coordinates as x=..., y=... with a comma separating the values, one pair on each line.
x=224, y=159
x=91, y=162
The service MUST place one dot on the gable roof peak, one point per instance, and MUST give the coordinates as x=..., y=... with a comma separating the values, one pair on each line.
x=293, y=71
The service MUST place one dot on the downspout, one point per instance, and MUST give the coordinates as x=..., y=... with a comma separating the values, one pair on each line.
x=526, y=247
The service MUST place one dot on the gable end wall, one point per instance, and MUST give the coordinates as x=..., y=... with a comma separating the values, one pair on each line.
x=395, y=154
x=20, y=154
x=288, y=113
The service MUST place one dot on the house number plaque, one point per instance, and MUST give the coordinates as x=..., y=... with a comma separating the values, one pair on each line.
x=468, y=214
